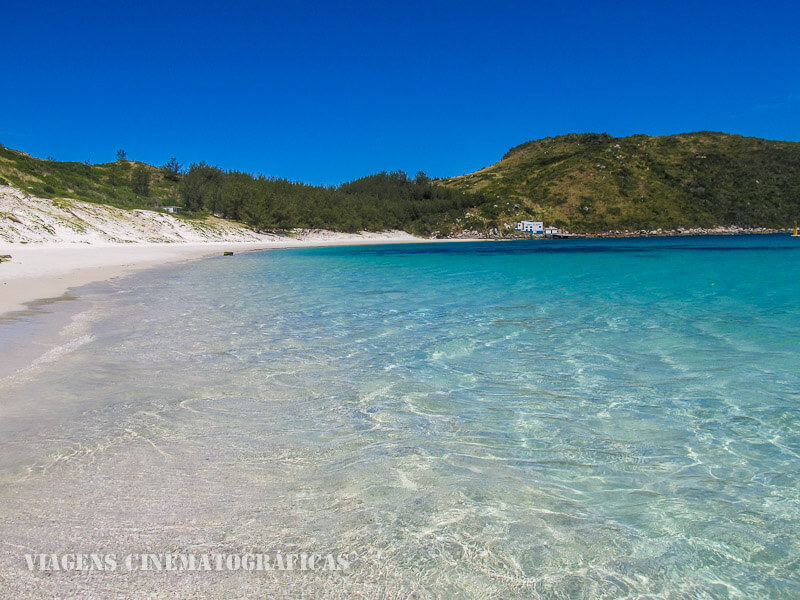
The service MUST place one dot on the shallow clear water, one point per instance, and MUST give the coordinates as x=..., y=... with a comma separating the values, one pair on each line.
x=559, y=419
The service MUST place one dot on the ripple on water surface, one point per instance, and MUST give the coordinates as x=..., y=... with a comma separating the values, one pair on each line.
x=596, y=419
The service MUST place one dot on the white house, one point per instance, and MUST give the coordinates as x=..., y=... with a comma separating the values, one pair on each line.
x=172, y=209
x=550, y=230
x=530, y=227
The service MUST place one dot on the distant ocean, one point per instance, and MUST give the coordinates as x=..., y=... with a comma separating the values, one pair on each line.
x=611, y=418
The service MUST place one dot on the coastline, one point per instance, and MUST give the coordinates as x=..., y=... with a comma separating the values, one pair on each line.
x=46, y=274
x=38, y=272
x=292, y=377
x=44, y=271
x=44, y=286
x=642, y=233
x=58, y=245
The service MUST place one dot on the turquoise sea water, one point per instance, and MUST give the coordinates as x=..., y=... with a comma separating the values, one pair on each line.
x=554, y=419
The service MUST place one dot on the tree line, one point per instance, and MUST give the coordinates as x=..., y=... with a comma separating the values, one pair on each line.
x=376, y=202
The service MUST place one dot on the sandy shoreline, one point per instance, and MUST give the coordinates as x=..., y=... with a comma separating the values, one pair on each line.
x=36, y=272
x=48, y=270
x=60, y=244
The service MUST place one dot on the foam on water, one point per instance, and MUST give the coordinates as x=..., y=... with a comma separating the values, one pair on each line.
x=576, y=419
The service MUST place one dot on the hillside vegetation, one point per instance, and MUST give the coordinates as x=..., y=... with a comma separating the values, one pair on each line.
x=586, y=183
x=594, y=182
x=124, y=183
x=381, y=202
x=386, y=201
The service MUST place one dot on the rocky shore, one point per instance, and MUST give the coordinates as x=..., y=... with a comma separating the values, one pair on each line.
x=681, y=231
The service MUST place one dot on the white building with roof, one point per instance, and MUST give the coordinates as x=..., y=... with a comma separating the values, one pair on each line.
x=536, y=227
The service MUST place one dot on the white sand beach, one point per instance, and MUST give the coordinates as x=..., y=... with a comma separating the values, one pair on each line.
x=49, y=270
x=56, y=245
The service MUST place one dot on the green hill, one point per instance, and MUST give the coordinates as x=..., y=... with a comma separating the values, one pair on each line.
x=594, y=182
x=125, y=184
x=582, y=182
x=375, y=203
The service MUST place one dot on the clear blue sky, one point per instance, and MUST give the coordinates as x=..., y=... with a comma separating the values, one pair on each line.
x=326, y=92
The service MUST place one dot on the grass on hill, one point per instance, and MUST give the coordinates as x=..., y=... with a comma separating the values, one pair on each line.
x=120, y=183
x=582, y=182
x=594, y=182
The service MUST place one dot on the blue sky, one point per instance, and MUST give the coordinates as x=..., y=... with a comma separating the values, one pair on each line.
x=327, y=92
